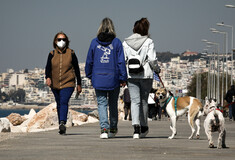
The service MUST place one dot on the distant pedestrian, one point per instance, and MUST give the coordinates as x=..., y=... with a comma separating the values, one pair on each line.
x=230, y=98
x=152, y=109
x=105, y=66
x=61, y=71
x=159, y=109
x=127, y=103
x=139, y=49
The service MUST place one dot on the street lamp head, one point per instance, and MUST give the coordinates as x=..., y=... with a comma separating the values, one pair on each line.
x=220, y=24
x=204, y=40
x=212, y=29
x=208, y=43
x=230, y=6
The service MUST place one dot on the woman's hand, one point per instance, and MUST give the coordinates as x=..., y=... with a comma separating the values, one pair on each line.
x=122, y=83
x=79, y=89
x=48, y=82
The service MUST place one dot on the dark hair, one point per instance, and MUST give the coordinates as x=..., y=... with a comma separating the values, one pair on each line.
x=142, y=27
x=55, y=39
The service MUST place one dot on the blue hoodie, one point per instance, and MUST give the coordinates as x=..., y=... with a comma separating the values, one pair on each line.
x=105, y=64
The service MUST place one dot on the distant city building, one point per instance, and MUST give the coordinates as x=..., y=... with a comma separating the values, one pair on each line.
x=10, y=70
x=189, y=53
x=175, y=74
x=17, y=79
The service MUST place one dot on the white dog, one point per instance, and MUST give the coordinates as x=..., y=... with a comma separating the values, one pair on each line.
x=214, y=122
x=176, y=107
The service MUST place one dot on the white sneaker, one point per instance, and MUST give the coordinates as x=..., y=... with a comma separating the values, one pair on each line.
x=104, y=136
x=136, y=136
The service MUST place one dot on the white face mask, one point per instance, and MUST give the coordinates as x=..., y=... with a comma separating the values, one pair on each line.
x=61, y=44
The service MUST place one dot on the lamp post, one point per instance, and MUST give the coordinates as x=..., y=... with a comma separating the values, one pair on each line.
x=208, y=76
x=230, y=26
x=216, y=93
x=225, y=51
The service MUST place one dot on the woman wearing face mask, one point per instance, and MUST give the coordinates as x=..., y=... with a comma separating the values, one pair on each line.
x=62, y=72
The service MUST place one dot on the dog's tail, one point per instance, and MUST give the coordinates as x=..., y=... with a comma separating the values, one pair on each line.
x=200, y=107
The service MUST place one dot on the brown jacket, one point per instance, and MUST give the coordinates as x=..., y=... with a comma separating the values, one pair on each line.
x=62, y=71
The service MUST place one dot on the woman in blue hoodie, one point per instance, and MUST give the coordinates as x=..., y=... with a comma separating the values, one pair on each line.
x=105, y=66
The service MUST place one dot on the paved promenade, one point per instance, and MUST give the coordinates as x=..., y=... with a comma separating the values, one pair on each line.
x=83, y=143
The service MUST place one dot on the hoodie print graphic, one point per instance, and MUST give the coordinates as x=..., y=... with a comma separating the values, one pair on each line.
x=107, y=52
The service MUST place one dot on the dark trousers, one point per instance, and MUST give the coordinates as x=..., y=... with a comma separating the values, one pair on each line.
x=127, y=110
x=230, y=112
x=159, y=111
x=62, y=97
x=233, y=111
x=152, y=111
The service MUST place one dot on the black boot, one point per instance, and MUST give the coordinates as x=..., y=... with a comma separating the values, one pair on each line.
x=62, y=128
x=136, y=132
x=144, y=131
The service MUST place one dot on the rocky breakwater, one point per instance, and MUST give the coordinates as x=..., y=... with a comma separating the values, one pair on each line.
x=46, y=119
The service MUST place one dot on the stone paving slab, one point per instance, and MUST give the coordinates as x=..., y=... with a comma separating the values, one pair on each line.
x=83, y=142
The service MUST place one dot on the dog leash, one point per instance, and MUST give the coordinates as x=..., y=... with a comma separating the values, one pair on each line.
x=160, y=80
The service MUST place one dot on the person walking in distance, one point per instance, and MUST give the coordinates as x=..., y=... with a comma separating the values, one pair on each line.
x=105, y=66
x=139, y=50
x=127, y=103
x=62, y=71
x=152, y=109
x=230, y=98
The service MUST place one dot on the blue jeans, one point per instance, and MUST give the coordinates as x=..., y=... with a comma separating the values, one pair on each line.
x=62, y=97
x=139, y=91
x=105, y=98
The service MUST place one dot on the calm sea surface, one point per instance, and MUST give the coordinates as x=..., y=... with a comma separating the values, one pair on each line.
x=6, y=112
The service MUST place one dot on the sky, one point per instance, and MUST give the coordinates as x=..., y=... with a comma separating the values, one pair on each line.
x=27, y=27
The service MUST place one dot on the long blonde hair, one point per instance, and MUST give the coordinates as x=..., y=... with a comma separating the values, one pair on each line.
x=106, y=26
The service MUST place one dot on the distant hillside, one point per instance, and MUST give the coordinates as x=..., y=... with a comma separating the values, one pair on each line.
x=166, y=56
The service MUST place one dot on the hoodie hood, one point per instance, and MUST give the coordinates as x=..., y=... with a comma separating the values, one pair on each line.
x=135, y=41
x=105, y=39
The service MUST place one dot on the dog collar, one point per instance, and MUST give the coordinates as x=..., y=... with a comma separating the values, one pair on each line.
x=217, y=110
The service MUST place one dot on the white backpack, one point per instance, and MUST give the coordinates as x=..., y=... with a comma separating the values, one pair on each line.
x=135, y=64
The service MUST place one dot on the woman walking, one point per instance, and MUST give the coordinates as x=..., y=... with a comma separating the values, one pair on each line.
x=105, y=66
x=139, y=50
x=61, y=70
